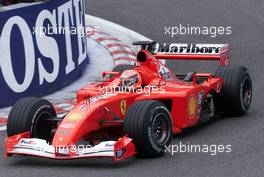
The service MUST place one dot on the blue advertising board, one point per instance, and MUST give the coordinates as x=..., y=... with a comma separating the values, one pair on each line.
x=43, y=48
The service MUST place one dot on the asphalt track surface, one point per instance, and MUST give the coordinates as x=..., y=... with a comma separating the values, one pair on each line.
x=245, y=134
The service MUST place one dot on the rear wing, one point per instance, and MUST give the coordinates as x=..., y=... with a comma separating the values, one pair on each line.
x=177, y=51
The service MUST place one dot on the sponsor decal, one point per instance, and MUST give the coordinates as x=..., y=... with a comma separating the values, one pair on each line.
x=100, y=97
x=123, y=106
x=74, y=116
x=64, y=132
x=27, y=142
x=67, y=125
x=121, y=152
x=109, y=145
x=174, y=48
x=192, y=106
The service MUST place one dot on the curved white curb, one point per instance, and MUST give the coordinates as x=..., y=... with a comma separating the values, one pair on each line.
x=121, y=53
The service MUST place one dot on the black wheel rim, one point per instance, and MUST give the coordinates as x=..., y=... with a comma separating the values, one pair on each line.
x=246, y=91
x=42, y=128
x=160, y=129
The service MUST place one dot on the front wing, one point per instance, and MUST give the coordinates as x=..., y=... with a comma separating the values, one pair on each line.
x=22, y=144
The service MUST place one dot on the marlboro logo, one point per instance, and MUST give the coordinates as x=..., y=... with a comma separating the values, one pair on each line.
x=173, y=48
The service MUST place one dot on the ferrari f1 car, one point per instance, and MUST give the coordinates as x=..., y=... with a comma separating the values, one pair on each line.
x=135, y=110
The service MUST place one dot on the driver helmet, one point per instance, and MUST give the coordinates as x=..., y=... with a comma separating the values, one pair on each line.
x=131, y=78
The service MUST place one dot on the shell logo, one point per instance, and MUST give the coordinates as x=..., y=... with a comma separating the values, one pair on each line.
x=192, y=106
x=75, y=116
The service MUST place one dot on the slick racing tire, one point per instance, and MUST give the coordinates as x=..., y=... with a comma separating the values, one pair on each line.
x=29, y=114
x=148, y=123
x=236, y=94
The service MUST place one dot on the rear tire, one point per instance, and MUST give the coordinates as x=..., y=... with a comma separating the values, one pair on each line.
x=148, y=123
x=29, y=114
x=236, y=94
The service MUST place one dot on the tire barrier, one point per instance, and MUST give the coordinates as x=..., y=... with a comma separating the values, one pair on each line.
x=43, y=48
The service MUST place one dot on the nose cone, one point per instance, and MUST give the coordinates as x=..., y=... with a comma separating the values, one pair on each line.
x=66, y=133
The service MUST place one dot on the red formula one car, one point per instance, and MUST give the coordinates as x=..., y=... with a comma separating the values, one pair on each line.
x=135, y=110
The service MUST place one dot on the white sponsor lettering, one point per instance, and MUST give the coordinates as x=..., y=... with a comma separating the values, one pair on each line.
x=6, y=63
x=65, y=16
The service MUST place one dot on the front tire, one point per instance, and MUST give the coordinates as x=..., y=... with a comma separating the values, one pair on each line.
x=29, y=114
x=148, y=123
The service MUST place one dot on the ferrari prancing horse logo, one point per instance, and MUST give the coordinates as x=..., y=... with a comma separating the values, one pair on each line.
x=123, y=106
